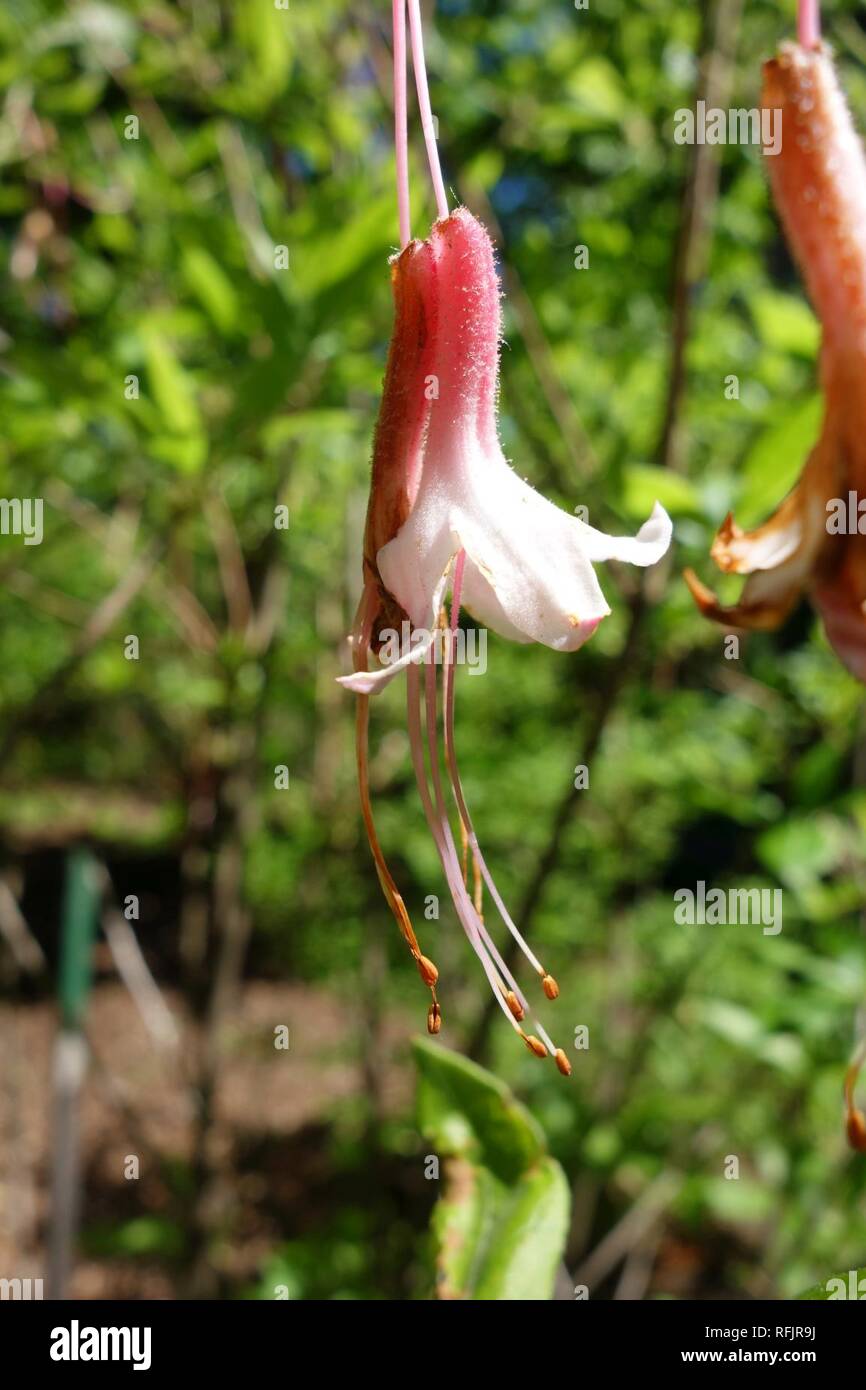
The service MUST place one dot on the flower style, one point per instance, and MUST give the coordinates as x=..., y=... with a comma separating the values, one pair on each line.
x=447, y=509
x=818, y=180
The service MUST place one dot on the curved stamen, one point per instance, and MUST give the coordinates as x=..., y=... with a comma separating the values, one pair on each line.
x=471, y=923
x=441, y=832
x=401, y=137
x=454, y=776
x=426, y=969
x=512, y=1000
x=417, y=37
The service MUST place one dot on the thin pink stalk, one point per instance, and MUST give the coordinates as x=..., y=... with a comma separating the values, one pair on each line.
x=485, y=947
x=454, y=777
x=809, y=23
x=423, y=90
x=441, y=831
x=453, y=771
x=465, y=910
x=401, y=136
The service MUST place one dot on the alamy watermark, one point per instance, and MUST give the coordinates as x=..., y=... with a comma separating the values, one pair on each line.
x=732, y=907
x=736, y=126
x=846, y=516
x=22, y=516
x=21, y=1290
x=470, y=647
x=852, y=1286
x=77, y=1343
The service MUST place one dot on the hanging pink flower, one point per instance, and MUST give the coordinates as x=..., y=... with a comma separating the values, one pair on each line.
x=447, y=509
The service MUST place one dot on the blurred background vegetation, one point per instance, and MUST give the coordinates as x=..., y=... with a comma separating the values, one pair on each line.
x=148, y=253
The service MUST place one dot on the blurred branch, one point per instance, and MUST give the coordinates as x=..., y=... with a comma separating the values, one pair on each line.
x=51, y=601
x=258, y=244
x=230, y=561
x=721, y=26
x=196, y=625
x=99, y=624
x=133, y=970
x=82, y=890
x=228, y=918
x=266, y=614
x=26, y=951
x=629, y=1232
x=266, y=618
x=638, y=1269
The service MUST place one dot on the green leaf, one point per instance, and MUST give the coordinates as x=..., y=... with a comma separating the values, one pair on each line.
x=211, y=286
x=170, y=387
x=186, y=453
x=338, y=253
x=183, y=443
x=786, y=323
x=141, y=1236
x=731, y=1021
x=264, y=32
x=468, y=1112
x=501, y=1225
x=776, y=459
x=527, y=1243
x=596, y=88
x=645, y=484
x=800, y=849
x=306, y=424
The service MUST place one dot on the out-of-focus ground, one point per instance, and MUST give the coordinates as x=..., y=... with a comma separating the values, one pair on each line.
x=272, y=1142
x=271, y=1116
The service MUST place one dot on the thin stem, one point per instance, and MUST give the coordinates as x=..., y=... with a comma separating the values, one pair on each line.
x=401, y=137
x=424, y=105
x=809, y=23
x=699, y=197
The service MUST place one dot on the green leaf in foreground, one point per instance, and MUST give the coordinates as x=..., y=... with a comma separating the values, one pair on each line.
x=501, y=1224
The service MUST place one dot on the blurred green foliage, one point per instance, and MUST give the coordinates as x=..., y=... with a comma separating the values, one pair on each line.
x=153, y=258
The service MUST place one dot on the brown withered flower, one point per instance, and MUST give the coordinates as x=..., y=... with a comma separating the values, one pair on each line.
x=809, y=546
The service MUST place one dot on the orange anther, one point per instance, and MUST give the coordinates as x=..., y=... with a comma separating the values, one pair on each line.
x=562, y=1062
x=514, y=1004
x=427, y=970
